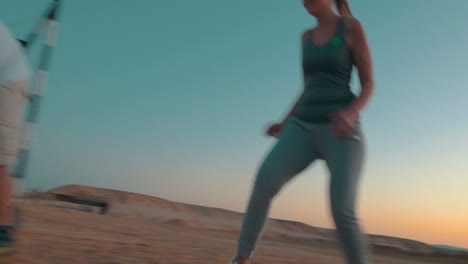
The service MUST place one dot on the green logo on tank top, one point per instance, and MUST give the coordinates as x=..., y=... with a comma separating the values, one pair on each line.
x=337, y=41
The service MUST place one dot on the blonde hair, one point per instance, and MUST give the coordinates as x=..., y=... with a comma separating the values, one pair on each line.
x=343, y=8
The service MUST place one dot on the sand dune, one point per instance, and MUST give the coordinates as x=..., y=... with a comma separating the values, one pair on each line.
x=144, y=229
x=134, y=205
x=180, y=223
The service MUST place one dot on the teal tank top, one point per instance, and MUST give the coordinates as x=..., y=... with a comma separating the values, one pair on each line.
x=327, y=72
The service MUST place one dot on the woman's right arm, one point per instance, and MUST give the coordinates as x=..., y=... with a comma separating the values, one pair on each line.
x=298, y=101
x=293, y=109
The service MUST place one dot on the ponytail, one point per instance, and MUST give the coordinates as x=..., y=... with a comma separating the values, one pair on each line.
x=343, y=8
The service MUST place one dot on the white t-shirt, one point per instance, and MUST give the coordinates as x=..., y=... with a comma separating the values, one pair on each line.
x=13, y=62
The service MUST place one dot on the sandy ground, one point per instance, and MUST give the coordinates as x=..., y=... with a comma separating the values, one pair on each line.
x=51, y=235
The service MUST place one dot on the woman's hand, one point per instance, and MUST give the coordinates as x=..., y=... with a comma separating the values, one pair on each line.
x=343, y=121
x=275, y=129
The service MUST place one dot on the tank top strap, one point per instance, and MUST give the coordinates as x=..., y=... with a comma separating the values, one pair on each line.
x=340, y=29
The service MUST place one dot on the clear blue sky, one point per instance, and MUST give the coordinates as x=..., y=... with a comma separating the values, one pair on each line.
x=171, y=99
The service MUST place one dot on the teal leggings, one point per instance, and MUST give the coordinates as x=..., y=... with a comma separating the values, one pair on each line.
x=298, y=145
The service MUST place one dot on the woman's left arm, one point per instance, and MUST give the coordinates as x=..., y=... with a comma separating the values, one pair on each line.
x=357, y=41
x=344, y=119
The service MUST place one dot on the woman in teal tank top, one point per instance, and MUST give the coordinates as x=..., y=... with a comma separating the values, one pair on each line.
x=322, y=125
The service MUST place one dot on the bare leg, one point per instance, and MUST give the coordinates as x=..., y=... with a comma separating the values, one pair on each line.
x=6, y=212
x=12, y=99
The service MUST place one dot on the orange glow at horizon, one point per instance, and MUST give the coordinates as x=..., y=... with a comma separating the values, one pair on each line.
x=448, y=226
